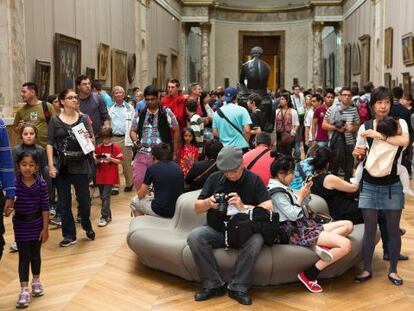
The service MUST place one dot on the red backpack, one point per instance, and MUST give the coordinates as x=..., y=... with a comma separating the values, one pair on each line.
x=364, y=110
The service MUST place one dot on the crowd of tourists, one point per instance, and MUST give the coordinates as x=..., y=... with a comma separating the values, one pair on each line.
x=262, y=153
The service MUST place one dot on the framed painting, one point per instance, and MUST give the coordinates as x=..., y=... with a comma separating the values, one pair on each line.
x=407, y=49
x=161, y=71
x=387, y=80
x=132, y=66
x=103, y=62
x=365, y=58
x=90, y=73
x=406, y=83
x=356, y=60
x=42, y=78
x=388, y=47
x=119, y=68
x=67, y=61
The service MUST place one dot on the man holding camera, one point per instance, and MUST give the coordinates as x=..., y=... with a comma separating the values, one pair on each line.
x=237, y=190
x=342, y=120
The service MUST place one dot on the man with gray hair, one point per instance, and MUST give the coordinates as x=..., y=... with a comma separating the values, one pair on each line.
x=121, y=114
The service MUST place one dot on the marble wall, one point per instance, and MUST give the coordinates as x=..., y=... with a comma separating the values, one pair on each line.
x=224, y=49
x=372, y=18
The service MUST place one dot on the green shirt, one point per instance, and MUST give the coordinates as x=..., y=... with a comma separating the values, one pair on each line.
x=35, y=115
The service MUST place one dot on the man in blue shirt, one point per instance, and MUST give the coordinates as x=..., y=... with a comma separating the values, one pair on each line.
x=231, y=123
x=6, y=180
x=121, y=114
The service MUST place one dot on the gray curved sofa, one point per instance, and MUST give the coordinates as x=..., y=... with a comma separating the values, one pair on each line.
x=162, y=244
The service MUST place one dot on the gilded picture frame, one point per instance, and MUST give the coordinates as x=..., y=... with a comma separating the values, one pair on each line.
x=42, y=78
x=365, y=58
x=406, y=83
x=356, y=60
x=103, y=62
x=407, y=49
x=67, y=61
x=119, y=68
x=388, y=47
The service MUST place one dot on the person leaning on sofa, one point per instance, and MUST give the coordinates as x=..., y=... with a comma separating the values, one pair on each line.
x=245, y=190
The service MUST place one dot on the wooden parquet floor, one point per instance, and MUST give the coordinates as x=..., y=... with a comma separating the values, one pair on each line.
x=105, y=275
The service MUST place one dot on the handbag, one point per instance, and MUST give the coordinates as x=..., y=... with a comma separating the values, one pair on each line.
x=237, y=230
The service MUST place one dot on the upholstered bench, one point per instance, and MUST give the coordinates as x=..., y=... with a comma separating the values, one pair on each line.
x=162, y=244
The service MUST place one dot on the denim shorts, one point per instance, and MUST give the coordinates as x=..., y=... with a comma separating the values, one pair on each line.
x=381, y=197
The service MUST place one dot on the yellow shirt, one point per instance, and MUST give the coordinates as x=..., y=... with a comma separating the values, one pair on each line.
x=35, y=115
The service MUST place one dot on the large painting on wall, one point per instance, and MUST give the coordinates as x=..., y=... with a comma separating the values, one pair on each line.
x=103, y=62
x=67, y=61
x=356, y=60
x=119, y=68
x=407, y=49
x=388, y=47
x=161, y=71
x=365, y=58
x=42, y=78
x=387, y=80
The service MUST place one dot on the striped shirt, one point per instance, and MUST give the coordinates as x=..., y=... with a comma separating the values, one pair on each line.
x=30, y=200
x=197, y=125
x=6, y=164
x=349, y=115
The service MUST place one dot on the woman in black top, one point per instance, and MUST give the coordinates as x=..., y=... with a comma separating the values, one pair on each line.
x=335, y=191
x=72, y=168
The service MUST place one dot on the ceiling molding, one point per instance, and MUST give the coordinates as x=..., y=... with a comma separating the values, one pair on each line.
x=195, y=19
x=300, y=7
x=294, y=22
x=353, y=8
x=170, y=9
x=333, y=18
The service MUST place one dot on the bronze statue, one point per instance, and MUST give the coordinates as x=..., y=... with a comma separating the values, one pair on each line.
x=254, y=75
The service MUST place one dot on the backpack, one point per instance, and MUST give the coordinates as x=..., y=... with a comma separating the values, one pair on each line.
x=364, y=110
x=46, y=111
x=382, y=159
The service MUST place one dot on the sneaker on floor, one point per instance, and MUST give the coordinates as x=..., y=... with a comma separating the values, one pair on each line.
x=312, y=286
x=323, y=253
x=56, y=220
x=102, y=222
x=129, y=188
x=24, y=299
x=67, y=242
x=13, y=247
x=37, y=289
x=114, y=191
x=90, y=235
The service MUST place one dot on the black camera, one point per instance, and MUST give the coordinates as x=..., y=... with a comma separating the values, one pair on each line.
x=101, y=156
x=223, y=201
x=339, y=123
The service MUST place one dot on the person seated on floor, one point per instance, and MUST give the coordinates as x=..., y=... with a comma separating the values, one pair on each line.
x=201, y=170
x=167, y=180
x=259, y=159
x=300, y=228
x=245, y=190
x=339, y=194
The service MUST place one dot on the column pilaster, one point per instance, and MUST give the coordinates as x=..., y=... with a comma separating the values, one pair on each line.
x=317, y=54
x=205, y=55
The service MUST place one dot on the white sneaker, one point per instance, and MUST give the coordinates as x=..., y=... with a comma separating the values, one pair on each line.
x=13, y=247
x=24, y=299
x=323, y=253
x=102, y=222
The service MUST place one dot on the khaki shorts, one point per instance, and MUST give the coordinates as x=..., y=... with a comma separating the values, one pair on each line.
x=143, y=206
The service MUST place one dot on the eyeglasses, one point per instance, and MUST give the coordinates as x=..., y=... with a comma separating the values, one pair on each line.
x=72, y=97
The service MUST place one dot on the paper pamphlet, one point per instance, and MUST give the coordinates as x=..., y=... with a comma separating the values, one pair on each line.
x=85, y=143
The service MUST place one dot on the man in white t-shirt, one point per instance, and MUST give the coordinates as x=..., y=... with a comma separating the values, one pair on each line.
x=298, y=102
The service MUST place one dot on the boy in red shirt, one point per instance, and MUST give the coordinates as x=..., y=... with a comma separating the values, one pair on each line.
x=107, y=158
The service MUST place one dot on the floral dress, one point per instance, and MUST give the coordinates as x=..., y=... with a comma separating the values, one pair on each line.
x=187, y=156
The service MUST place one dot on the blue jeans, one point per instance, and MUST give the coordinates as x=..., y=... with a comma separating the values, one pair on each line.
x=81, y=184
x=203, y=240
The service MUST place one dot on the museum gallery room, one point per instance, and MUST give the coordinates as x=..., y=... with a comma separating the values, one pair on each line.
x=145, y=262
